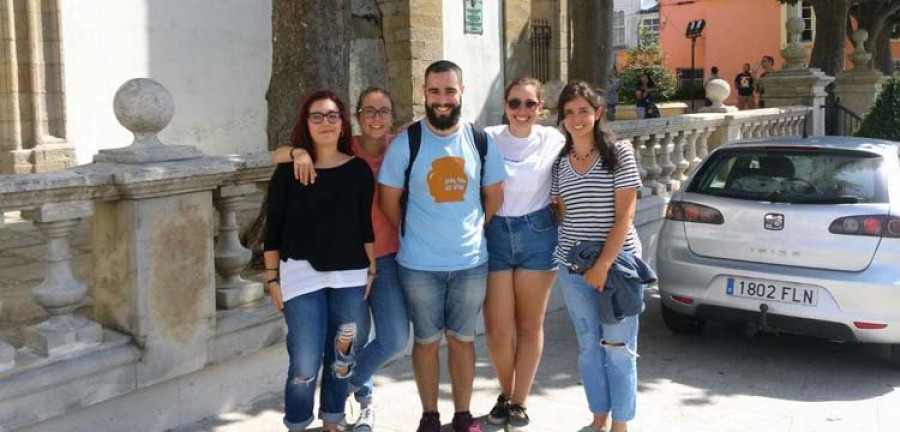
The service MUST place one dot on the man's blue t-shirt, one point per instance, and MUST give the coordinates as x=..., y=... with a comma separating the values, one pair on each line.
x=444, y=218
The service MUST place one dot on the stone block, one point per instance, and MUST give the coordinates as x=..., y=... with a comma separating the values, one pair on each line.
x=60, y=211
x=154, y=279
x=63, y=335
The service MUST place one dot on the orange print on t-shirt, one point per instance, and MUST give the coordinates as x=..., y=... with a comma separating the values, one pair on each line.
x=447, y=179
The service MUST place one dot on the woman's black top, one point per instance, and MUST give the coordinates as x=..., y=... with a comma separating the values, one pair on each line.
x=646, y=95
x=326, y=223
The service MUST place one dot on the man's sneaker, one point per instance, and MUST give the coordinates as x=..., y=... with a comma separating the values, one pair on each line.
x=366, y=420
x=500, y=412
x=463, y=422
x=518, y=418
x=430, y=422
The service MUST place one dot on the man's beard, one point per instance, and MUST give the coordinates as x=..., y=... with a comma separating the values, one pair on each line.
x=443, y=122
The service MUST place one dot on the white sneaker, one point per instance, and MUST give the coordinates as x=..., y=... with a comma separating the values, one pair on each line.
x=366, y=420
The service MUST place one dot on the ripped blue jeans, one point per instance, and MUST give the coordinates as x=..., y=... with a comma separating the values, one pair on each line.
x=315, y=321
x=607, y=352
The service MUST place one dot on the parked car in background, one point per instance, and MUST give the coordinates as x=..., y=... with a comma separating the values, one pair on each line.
x=788, y=234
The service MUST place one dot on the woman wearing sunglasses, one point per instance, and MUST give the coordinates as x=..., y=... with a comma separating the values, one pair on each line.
x=386, y=303
x=320, y=259
x=521, y=240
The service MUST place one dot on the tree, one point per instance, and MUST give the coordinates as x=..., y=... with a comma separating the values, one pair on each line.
x=592, y=38
x=646, y=57
x=883, y=119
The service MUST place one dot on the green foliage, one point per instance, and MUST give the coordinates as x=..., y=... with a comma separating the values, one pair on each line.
x=883, y=119
x=646, y=57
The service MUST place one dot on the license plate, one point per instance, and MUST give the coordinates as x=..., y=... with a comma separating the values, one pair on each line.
x=766, y=290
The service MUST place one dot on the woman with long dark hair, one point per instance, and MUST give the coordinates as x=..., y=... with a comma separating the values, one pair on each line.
x=644, y=94
x=594, y=184
x=320, y=260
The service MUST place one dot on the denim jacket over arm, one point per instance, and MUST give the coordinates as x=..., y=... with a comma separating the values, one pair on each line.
x=623, y=295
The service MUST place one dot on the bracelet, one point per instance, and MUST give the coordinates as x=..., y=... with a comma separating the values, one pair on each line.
x=292, y=154
x=272, y=280
x=274, y=269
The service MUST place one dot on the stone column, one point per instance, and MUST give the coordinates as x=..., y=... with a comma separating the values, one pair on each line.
x=517, y=31
x=61, y=292
x=153, y=256
x=231, y=255
x=858, y=88
x=797, y=84
x=32, y=100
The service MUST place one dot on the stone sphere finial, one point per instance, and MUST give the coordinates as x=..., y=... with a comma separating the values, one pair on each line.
x=717, y=90
x=859, y=57
x=794, y=53
x=144, y=107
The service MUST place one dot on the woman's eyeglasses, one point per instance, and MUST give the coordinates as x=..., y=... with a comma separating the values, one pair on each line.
x=369, y=112
x=317, y=117
x=515, y=104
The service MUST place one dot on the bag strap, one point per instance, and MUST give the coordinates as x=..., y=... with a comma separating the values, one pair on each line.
x=481, y=144
x=414, y=133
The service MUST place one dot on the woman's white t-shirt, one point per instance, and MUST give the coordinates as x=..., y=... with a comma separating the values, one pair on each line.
x=528, y=162
x=298, y=277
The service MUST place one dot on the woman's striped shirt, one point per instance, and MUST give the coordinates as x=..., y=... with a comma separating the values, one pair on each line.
x=589, y=200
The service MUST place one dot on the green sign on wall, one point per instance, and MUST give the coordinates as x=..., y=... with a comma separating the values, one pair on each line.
x=473, y=16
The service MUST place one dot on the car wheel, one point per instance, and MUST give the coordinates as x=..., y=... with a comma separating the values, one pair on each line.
x=683, y=324
x=895, y=356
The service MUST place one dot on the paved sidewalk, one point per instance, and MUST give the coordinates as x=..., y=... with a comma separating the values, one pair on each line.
x=718, y=382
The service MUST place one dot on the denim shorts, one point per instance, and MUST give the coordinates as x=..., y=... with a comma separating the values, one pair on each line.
x=522, y=242
x=439, y=301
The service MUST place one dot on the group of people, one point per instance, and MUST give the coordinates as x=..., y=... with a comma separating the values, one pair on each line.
x=644, y=95
x=751, y=94
x=462, y=219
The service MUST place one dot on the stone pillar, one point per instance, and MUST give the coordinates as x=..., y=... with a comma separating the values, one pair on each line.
x=61, y=292
x=414, y=38
x=517, y=36
x=858, y=88
x=797, y=84
x=153, y=254
x=231, y=255
x=32, y=100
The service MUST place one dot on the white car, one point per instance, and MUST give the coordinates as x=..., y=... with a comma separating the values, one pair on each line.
x=789, y=234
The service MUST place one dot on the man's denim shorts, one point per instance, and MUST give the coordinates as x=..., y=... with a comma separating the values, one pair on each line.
x=522, y=242
x=439, y=301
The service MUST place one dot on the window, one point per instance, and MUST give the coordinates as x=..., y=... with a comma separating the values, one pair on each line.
x=652, y=25
x=619, y=28
x=684, y=76
x=793, y=176
x=808, y=23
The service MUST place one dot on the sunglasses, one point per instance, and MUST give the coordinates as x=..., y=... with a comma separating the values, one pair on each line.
x=515, y=104
x=317, y=117
x=369, y=112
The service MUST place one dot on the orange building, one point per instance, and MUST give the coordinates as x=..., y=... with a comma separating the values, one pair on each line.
x=737, y=32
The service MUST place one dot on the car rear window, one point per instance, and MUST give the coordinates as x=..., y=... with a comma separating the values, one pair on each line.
x=801, y=176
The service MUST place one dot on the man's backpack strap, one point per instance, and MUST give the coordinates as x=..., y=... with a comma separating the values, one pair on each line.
x=481, y=144
x=414, y=133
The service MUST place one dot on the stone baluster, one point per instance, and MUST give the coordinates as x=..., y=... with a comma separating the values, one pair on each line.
x=231, y=256
x=649, y=163
x=756, y=131
x=765, y=128
x=746, y=130
x=703, y=143
x=7, y=351
x=690, y=151
x=783, y=124
x=61, y=292
x=679, y=159
x=637, y=143
x=666, y=147
x=797, y=125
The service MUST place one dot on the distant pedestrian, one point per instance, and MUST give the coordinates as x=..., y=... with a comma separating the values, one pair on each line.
x=644, y=95
x=766, y=65
x=713, y=74
x=612, y=93
x=744, y=84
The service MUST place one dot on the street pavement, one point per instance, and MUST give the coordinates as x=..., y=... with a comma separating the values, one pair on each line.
x=717, y=381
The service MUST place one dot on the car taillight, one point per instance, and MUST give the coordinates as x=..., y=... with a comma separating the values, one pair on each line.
x=690, y=212
x=867, y=225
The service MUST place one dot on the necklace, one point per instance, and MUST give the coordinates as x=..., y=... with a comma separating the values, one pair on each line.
x=581, y=158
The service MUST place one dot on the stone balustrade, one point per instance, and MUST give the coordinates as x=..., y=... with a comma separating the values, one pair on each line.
x=159, y=312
